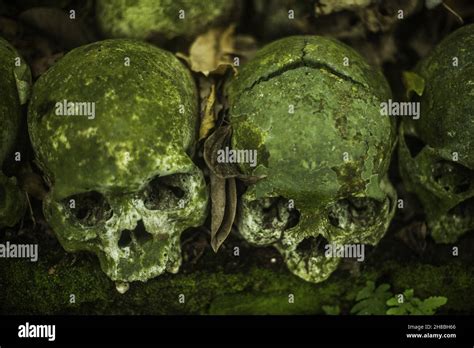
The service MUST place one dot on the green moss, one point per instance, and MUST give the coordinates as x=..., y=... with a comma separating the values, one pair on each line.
x=162, y=19
x=140, y=118
x=220, y=285
x=35, y=289
x=440, y=173
x=254, y=291
x=282, y=294
x=297, y=97
x=447, y=100
x=13, y=93
x=454, y=281
x=9, y=102
x=46, y=286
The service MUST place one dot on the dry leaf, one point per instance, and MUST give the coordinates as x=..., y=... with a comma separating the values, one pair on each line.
x=224, y=207
x=211, y=52
x=223, y=186
x=32, y=183
x=215, y=142
x=209, y=117
x=218, y=201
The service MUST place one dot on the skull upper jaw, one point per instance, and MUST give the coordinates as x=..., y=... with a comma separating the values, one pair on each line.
x=311, y=265
x=303, y=233
x=307, y=248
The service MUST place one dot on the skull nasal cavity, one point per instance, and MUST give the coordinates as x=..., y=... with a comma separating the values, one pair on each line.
x=311, y=244
x=125, y=239
x=294, y=219
x=414, y=144
x=453, y=177
x=138, y=236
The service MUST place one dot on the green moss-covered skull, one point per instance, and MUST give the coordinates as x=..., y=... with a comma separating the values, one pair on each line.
x=437, y=151
x=162, y=19
x=12, y=95
x=310, y=106
x=123, y=184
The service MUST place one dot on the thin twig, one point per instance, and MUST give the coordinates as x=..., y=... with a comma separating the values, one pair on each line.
x=453, y=12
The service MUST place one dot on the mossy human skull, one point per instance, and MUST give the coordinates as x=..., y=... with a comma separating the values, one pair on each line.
x=162, y=19
x=12, y=200
x=113, y=125
x=310, y=107
x=437, y=151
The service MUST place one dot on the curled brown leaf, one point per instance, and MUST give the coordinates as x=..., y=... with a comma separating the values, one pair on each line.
x=224, y=207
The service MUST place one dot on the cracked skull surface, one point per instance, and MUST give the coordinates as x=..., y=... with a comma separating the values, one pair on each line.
x=113, y=125
x=437, y=151
x=310, y=106
x=12, y=199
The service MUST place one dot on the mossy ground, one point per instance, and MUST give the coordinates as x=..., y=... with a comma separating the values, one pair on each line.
x=227, y=284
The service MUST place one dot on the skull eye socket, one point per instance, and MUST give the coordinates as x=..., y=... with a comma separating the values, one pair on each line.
x=452, y=177
x=414, y=144
x=465, y=209
x=89, y=209
x=276, y=213
x=164, y=193
x=354, y=213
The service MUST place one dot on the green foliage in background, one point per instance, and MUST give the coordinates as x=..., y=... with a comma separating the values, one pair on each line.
x=407, y=303
x=372, y=300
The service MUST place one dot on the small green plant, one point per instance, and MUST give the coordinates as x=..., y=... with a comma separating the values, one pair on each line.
x=406, y=303
x=332, y=310
x=371, y=300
